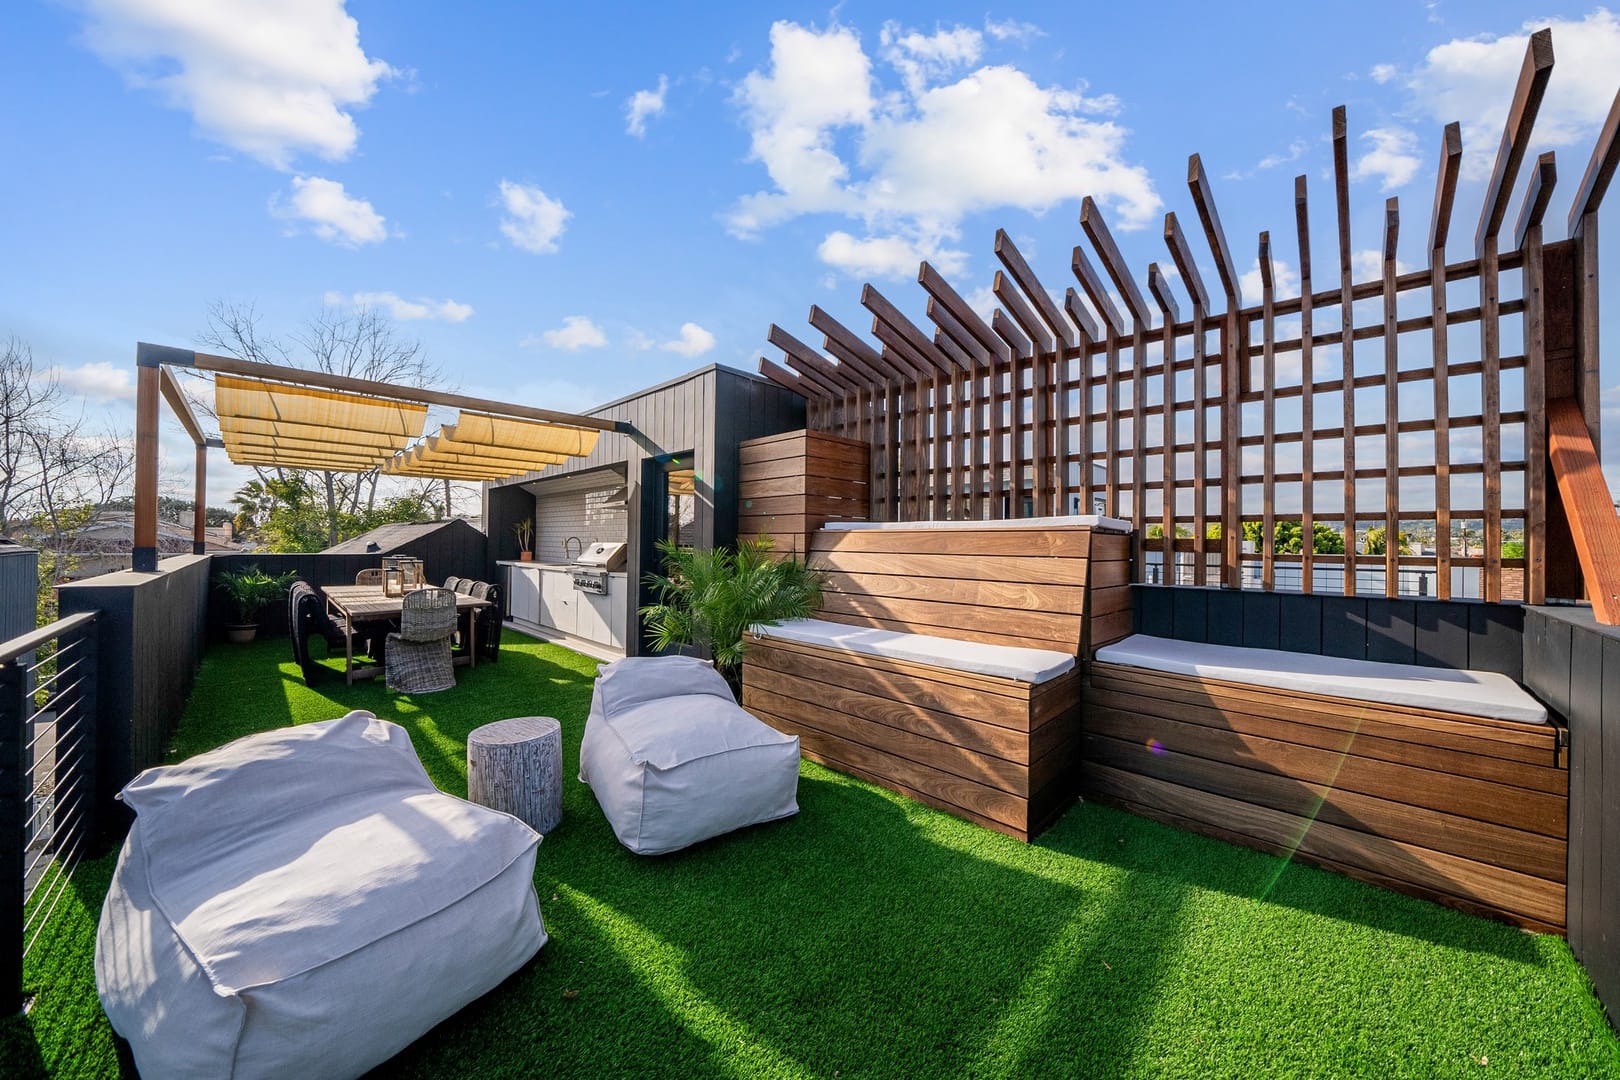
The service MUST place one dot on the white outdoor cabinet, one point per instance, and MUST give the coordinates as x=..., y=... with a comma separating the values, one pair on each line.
x=559, y=601
x=523, y=593
x=594, y=612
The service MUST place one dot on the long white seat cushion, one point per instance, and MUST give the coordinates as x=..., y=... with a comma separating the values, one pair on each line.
x=306, y=903
x=1002, y=661
x=674, y=760
x=1093, y=521
x=1470, y=693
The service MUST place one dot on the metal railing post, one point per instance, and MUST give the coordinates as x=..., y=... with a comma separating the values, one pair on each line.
x=13, y=815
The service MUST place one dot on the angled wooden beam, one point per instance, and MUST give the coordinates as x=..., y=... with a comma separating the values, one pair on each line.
x=809, y=376
x=907, y=368
x=1026, y=280
x=1012, y=298
x=1097, y=292
x=1015, y=338
x=1159, y=286
x=904, y=335
x=855, y=363
x=785, y=378
x=1521, y=119
x=1204, y=200
x=1307, y=378
x=940, y=290
x=1096, y=230
x=1542, y=181
x=1599, y=171
x=844, y=343
x=1392, y=448
x=947, y=345
x=1445, y=186
x=1186, y=265
x=952, y=330
x=1347, y=339
x=1589, y=505
x=1081, y=316
x=176, y=397
x=802, y=358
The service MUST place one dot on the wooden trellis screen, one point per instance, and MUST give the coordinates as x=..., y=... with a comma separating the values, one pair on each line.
x=1450, y=369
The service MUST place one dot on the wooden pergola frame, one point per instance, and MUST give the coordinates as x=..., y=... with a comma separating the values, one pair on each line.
x=984, y=407
x=154, y=380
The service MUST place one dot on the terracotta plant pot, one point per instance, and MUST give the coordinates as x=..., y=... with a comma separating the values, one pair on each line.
x=525, y=556
x=240, y=633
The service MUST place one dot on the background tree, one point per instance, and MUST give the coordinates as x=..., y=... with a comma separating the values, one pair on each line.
x=362, y=344
x=1376, y=543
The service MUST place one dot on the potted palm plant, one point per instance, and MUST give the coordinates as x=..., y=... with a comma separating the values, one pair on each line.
x=706, y=599
x=249, y=590
x=525, y=537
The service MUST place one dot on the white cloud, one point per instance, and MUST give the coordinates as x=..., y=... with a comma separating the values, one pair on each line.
x=693, y=341
x=910, y=162
x=534, y=220
x=1284, y=280
x=97, y=381
x=1368, y=264
x=885, y=256
x=924, y=58
x=330, y=212
x=1296, y=150
x=1393, y=158
x=644, y=104
x=1382, y=73
x=1472, y=80
x=405, y=310
x=1012, y=30
x=640, y=341
x=577, y=332
x=271, y=80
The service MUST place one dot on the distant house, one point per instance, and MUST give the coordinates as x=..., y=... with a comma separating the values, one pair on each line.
x=438, y=544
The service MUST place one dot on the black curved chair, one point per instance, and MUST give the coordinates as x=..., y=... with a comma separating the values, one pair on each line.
x=489, y=623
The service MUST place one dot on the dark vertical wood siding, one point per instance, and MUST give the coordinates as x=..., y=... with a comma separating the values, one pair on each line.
x=19, y=577
x=1573, y=664
x=1433, y=633
x=705, y=414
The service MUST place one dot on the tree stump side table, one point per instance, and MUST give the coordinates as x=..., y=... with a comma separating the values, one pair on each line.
x=515, y=766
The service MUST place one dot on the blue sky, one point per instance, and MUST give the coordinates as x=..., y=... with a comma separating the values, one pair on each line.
x=567, y=203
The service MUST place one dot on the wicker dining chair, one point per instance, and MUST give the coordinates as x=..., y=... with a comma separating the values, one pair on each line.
x=373, y=576
x=451, y=582
x=417, y=659
x=464, y=586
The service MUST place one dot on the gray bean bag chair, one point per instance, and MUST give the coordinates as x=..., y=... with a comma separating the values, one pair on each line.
x=305, y=903
x=673, y=760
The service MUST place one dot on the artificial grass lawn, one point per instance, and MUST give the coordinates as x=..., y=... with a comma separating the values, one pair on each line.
x=870, y=936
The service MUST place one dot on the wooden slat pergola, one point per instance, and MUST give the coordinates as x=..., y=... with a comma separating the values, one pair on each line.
x=1203, y=418
x=271, y=415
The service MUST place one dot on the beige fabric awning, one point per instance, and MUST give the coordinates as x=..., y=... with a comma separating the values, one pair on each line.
x=480, y=446
x=302, y=427
x=276, y=424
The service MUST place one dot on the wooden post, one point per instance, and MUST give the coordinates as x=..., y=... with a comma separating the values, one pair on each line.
x=1347, y=341
x=144, y=556
x=515, y=766
x=199, y=520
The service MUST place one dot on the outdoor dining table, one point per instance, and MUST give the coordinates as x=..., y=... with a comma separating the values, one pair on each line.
x=369, y=603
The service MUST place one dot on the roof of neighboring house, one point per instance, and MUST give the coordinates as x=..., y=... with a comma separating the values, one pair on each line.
x=390, y=537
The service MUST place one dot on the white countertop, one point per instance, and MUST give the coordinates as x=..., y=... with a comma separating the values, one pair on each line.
x=551, y=566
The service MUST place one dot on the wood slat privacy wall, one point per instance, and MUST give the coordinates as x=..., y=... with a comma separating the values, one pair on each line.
x=1468, y=812
x=1391, y=401
x=790, y=485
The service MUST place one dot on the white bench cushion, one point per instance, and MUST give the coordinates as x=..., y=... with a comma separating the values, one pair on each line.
x=1471, y=693
x=1089, y=520
x=1002, y=661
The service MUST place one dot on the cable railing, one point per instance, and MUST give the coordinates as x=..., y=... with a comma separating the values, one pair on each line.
x=47, y=780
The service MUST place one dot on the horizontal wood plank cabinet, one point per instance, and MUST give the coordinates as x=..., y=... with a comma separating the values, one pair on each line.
x=790, y=485
x=1466, y=811
x=997, y=751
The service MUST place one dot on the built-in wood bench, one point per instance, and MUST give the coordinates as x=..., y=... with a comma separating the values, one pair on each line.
x=1450, y=785
x=943, y=661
